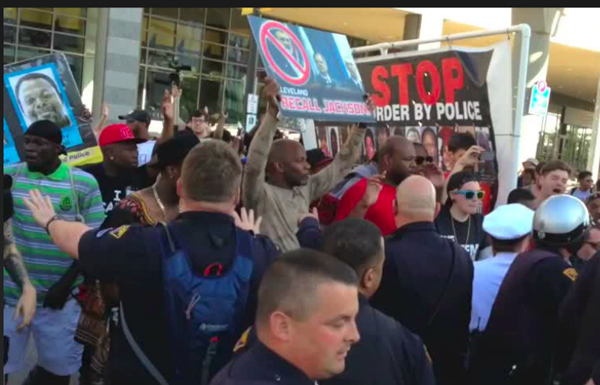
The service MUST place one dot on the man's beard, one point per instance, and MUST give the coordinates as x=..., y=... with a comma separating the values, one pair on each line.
x=396, y=177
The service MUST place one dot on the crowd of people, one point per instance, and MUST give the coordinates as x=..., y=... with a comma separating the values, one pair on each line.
x=188, y=266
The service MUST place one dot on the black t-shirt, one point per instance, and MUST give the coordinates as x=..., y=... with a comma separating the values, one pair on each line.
x=471, y=228
x=113, y=189
x=131, y=257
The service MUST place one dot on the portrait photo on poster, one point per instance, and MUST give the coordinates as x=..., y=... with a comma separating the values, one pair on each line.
x=38, y=93
x=333, y=140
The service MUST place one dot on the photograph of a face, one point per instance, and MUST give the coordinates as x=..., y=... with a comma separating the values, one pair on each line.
x=38, y=94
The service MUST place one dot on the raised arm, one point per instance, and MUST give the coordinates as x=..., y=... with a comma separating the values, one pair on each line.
x=258, y=153
x=331, y=175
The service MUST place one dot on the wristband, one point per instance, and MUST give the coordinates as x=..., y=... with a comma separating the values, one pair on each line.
x=54, y=218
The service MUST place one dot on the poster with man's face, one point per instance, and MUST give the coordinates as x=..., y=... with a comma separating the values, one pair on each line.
x=38, y=94
x=43, y=88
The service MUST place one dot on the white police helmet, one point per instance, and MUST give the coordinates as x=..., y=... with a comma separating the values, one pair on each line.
x=561, y=221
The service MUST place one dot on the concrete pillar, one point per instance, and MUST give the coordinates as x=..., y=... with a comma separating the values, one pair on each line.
x=542, y=22
x=423, y=26
x=594, y=157
x=412, y=29
x=117, y=64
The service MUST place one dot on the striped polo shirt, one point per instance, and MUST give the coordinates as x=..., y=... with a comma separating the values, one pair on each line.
x=69, y=188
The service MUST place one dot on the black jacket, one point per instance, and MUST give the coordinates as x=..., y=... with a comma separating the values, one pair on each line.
x=416, y=284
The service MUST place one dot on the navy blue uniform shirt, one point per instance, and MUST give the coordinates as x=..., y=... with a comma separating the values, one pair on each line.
x=130, y=256
x=413, y=287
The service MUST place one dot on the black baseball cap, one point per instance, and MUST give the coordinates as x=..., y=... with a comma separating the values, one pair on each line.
x=173, y=151
x=136, y=116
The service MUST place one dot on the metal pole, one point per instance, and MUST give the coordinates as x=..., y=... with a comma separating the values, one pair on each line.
x=383, y=47
x=251, y=74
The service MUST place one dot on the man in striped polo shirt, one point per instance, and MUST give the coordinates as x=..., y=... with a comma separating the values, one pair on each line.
x=75, y=195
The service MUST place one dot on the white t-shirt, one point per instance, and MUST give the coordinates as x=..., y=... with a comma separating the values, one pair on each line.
x=582, y=195
x=145, y=152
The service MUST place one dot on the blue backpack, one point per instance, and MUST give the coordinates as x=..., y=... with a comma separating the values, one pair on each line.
x=202, y=310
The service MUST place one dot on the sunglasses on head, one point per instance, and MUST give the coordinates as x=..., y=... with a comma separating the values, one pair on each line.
x=470, y=194
x=419, y=160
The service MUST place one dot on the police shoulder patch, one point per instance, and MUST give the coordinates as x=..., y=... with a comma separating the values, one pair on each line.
x=242, y=342
x=119, y=231
x=570, y=273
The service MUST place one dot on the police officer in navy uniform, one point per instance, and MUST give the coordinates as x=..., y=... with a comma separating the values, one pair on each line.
x=207, y=245
x=579, y=325
x=387, y=353
x=401, y=355
x=305, y=323
x=519, y=343
x=427, y=281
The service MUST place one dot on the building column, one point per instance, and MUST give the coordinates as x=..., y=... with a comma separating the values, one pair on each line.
x=419, y=26
x=117, y=66
x=542, y=22
x=594, y=156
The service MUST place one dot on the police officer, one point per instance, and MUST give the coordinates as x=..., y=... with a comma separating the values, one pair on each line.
x=509, y=228
x=202, y=244
x=579, y=320
x=519, y=343
x=427, y=281
x=305, y=323
x=401, y=356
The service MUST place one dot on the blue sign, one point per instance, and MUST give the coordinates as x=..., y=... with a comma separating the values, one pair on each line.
x=38, y=93
x=316, y=71
x=540, y=99
x=10, y=152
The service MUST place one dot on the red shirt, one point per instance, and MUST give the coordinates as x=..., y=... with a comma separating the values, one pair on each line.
x=381, y=213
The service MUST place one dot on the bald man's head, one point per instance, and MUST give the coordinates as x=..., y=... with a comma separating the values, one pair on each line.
x=397, y=159
x=415, y=198
x=287, y=166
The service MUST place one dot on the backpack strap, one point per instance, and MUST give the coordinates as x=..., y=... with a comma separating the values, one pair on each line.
x=454, y=247
x=145, y=361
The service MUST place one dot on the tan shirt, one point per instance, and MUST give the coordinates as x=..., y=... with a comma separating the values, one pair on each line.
x=280, y=208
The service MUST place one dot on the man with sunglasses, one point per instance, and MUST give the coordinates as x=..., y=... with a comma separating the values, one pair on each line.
x=586, y=186
x=588, y=250
x=422, y=157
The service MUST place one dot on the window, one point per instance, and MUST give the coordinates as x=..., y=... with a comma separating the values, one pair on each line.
x=213, y=42
x=31, y=32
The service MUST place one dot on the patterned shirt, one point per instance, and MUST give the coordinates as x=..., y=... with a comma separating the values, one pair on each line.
x=74, y=194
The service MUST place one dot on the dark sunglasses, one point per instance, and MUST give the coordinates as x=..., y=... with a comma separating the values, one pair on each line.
x=419, y=160
x=470, y=194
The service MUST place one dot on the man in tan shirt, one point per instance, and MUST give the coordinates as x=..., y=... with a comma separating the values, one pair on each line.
x=277, y=182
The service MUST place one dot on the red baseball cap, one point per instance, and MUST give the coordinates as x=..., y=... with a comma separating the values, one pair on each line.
x=117, y=133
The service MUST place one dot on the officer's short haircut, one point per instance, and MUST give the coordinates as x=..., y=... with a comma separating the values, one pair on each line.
x=506, y=246
x=556, y=165
x=355, y=242
x=520, y=195
x=461, y=141
x=583, y=175
x=211, y=172
x=290, y=284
